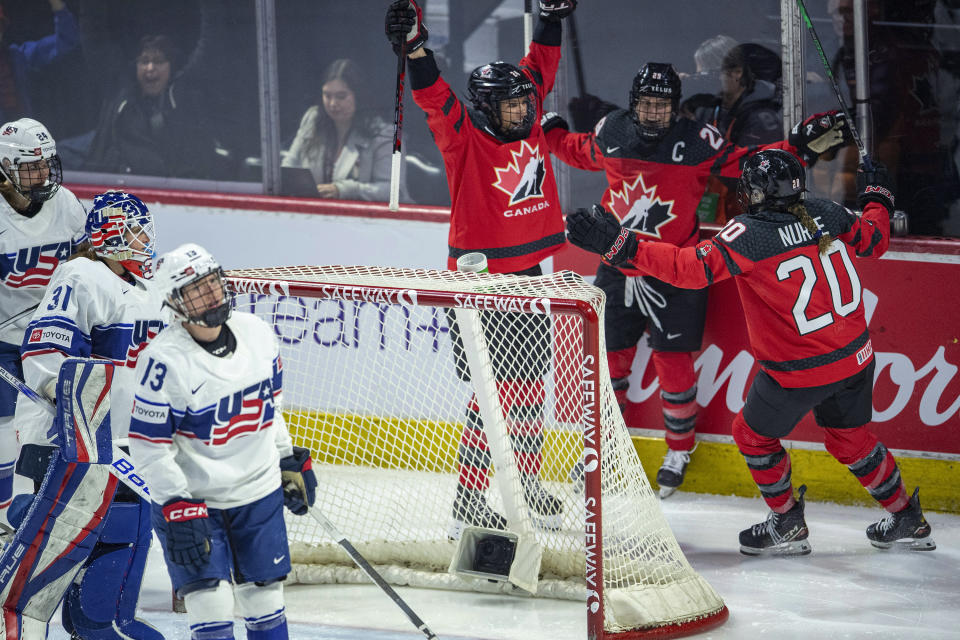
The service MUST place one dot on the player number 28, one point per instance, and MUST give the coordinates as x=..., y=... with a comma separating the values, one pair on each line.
x=806, y=266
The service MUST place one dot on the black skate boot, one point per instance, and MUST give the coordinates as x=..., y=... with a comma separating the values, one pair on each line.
x=781, y=534
x=545, y=508
x=471, y=509
x=905, y=529
x=674, y=467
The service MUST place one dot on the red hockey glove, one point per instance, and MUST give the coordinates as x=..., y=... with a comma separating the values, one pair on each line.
x=819, y=134
x=599, y=231
x=404, y=21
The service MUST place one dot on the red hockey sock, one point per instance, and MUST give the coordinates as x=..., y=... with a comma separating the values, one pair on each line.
x=678, y=394
x=871, y=462
x=620, y=363
x=769, y=464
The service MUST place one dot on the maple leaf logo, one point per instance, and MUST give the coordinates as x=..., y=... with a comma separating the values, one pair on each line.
x=522, y=179
x=640, y=209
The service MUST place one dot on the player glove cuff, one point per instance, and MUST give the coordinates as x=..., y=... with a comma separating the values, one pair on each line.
x=298, y=481
x=598, y=231
x=187, y=532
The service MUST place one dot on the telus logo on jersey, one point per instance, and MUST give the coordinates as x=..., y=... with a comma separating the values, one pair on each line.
x=246, y=411
x=33, y=266
x=522, y=179
x=640, y=209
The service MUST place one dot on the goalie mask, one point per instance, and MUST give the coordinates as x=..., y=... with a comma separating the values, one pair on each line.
x=120, y=228
x=29, y=158
x=506, y=96
x=655, y=99
x=194, y=286
x=772, y=179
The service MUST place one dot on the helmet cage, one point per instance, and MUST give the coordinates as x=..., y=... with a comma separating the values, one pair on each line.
x=26, y=149
x=121, y=228
x=657, y=80
x=496, y=82
x=201, y=301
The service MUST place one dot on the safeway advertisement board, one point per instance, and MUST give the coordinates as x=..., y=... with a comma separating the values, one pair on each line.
x=912, y=301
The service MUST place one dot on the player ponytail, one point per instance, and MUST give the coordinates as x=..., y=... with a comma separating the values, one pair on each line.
x=824, y=239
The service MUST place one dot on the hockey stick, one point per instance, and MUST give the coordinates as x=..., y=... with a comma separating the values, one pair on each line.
x=122, y=467
x=397, y=128
x=15, y=317
x=361, y=562
x=577, y=61
x=527, y=25
x=864, y=157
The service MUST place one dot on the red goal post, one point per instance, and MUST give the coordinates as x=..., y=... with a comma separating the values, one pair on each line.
x=384, y=370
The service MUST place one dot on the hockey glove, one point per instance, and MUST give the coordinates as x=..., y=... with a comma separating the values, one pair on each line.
x=552, y=120
x=819, y=134
x=587, y=110
x=599, y=231
x=875, y=186
x=554, y=10
x=188, y=532
x=404, y=21
x=298, y=480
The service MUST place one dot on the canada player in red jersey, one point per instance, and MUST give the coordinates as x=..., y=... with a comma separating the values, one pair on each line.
x=793, y=259
x=504, y=205
x=657, y=166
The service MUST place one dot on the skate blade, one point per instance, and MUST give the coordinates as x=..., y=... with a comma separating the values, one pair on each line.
x=666, y=492
x=907, y=544
x=792, y=548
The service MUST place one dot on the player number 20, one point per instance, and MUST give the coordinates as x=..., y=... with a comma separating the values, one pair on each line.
x=806, y=266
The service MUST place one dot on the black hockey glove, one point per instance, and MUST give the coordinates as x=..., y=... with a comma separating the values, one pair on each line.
x=298, y=480
x=404, y=21
x=188, y=532
x=552, y=120
x=586, y=111
x=819, y=134
x=599, y=231
x=875, y=186
x=556, y=9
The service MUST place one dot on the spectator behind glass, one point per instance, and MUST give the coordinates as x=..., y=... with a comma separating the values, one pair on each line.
x=18, y=60
x=346, y=146
x=159, y=124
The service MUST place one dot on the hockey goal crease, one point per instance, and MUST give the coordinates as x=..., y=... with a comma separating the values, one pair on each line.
x=388, y=374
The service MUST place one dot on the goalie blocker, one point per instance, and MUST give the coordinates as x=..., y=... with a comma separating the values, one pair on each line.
x=83, y=535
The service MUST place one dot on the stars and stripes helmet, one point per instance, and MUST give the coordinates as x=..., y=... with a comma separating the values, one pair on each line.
x=772, y=178
x=28, y=154
x=193, y=285
x=120, y=228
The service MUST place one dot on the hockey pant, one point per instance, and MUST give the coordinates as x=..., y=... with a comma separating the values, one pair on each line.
x=858, y=448
x=9, y=447
x=678, y=391
x=210, y=611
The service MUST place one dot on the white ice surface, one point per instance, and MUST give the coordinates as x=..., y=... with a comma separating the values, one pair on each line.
x=844, y=589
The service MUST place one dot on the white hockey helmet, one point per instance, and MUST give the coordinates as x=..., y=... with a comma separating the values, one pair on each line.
x=193, y=285
x=28, y=154
x=120, y=228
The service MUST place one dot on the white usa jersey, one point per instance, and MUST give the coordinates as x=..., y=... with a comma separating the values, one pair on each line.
x=30, y=249
x=207, y=427
x=87, y=311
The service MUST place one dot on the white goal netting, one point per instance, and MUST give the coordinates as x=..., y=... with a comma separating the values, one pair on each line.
x=436, y=399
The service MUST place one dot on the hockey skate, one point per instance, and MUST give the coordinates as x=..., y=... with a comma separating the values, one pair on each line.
x=781, y=534
x=545, y=508
x=906, y=529
x=674, y=467
x=471, y=509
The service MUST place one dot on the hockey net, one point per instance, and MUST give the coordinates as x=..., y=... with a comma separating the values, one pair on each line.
x=389, y=375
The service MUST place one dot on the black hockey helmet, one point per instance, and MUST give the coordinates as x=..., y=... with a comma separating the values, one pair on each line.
x=772, y=178
x=490, y=84
x=659, y=80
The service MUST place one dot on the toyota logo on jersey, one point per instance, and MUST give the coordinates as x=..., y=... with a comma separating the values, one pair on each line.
x=32, y=267
x=244, y=412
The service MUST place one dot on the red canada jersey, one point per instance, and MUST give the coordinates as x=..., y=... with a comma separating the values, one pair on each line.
x=504, y=200
x=804, y=310
x=654, y=190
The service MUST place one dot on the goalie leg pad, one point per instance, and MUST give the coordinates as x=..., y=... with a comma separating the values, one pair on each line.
x=102, y=604
x=262, y=609
x=53, y=541
x=83, y=410
x=210, y=612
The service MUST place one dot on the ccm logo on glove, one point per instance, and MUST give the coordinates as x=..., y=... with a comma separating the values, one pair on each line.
x=180, y=511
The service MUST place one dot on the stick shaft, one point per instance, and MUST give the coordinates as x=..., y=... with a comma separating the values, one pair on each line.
x=372, y=573
x=397, y=130
x=864, y=158
x=577, y=60
x=6, y=323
